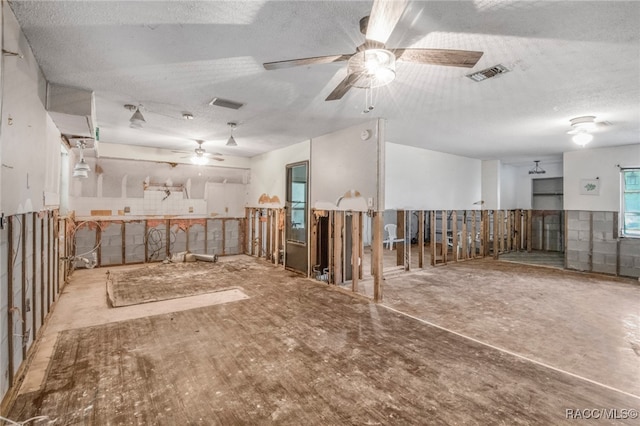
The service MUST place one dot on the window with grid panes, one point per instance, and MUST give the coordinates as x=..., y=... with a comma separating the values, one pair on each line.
x=631, y=202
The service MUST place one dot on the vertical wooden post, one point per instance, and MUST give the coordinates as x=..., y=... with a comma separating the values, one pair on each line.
x=206, y=238
x=337, y=245
x=496, y=233
x=473, y=234
x=276, y=237
x=590, y=240
x=454, y=234
x=224, y=236
x=433, y=237
x=50, y=262
x=401, y=234
x=123, y=230
x=43, y=294
x=376, y=256
x=23, y=293
x=361, y=220
x=355, y=250
x=330, y=244
x=269, y=223
x=10, y=307
x=146, y=243
x=421, y=239
x=486, y=231
x=529, y=230
x=407, y=240
x=509, y=236
x=34, y=281
x=260, y=233
x=465, y=237
x=445, y=240
x=313, y=241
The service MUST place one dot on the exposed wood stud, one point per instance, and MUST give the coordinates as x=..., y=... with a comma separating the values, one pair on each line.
x=43, y=293
x=465, y=236
x=268, y=234
x=496, y=227
x=590, y=241
x=444, y=243
x=421, y=239
x=23, y=292
x=224, y=236
x=337, y=246
x=34, y=273
x=454, y=234
x=10, y=307
x=355, y=251
x=473, y=235
x=99, y=242
x=123, y=231
x=400, y=248
x=376, y=260
x=529, y=230
x=361, y=243
x=330, y=237
x=509, y=236
x=432, y=226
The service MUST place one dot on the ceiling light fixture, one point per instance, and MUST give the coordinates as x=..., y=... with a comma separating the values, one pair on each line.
x=377, y=67
x=81, y=169
x=231, y=141
x=537, y=170
x=136, y=120
x=582, y=128
x=199, y=158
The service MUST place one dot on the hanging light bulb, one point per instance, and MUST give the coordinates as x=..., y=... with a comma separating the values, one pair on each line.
x=231, y=141
x=81, y=169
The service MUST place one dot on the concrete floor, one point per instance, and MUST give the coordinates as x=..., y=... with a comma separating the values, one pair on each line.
x=280, y=349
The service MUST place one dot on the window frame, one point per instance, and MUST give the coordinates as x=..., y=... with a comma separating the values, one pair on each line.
x=624, y=212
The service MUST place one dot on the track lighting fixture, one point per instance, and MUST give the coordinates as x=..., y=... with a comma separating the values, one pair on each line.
x=231, y=141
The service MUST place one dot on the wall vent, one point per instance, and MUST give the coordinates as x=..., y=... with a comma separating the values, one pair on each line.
x=225, y=103
x=488, y=73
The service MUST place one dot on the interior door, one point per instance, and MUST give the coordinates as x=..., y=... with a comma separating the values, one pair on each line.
x=297, y=217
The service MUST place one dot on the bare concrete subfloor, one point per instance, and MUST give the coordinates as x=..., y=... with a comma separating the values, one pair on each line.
x=290, y=351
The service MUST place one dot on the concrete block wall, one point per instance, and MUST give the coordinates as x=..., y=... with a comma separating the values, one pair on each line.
x=85, y=239
x=214, y=236
x=593, y=245
x=156, y=240
x=134, y=242
x=111, y=244
x=197, y=238
x=178, y=239
x=232, y=237
x=547, y=233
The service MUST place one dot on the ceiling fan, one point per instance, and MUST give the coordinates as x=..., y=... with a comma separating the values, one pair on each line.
x=201, y=156
x=373, y=64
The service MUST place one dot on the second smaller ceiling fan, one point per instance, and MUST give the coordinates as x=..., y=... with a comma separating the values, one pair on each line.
x=201, y=157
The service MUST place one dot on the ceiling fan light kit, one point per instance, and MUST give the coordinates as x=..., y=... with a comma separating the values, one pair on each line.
x=373, y=64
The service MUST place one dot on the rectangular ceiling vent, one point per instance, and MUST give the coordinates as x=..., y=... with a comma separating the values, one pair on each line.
x=225, y=103
x=488, y=73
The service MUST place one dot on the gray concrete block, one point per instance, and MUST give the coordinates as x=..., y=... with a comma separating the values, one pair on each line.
x=572, y=255
x=598, y=258
x=604, y=269
x=627, y=261
x=584, y=257
x=573, y=215
x=573, y=235
x=608, y=216
x=598, y=216
x=630, y=272
x=602, y=226
x=578, y=266
x=584, y=215
x=604, y=247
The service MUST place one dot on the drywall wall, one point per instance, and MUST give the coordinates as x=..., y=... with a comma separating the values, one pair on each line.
x=420, y=179
x=344, y=168
x=491, y=184
x=601, y=164
x=30, y=142
x=508, y=187
x=268, y=174
x=226, y=199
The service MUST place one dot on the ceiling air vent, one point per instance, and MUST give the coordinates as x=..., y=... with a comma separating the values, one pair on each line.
x=225, y=103
x=488, y=73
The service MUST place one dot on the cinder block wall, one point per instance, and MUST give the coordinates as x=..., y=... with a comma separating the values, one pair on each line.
x=593, y=245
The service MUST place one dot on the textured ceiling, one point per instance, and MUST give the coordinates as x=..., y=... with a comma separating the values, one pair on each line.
x=567, y=59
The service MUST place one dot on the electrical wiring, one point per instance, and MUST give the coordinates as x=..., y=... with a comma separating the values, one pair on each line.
x=24, y=422
x=82, y=256
x=155, y=241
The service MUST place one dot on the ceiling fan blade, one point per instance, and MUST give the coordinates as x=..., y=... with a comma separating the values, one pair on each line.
x=304, y=61
x=344, y=86
x=384, y=16
x=217, y=158
x=446, y=57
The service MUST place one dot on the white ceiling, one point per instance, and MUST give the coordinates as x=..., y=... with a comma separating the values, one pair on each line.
x=567, y=59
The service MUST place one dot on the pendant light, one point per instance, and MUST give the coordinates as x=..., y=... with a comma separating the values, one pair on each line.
x=231, y=141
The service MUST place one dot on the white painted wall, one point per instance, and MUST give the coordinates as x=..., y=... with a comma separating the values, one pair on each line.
x=342, y=163
x=491, y=184
x=29, y=140
x=420, y=179
x=599, y=163
x=508, y=187
x=226, y=199
x=268, y=173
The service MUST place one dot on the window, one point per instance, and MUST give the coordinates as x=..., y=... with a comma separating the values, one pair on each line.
x=631, y=202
